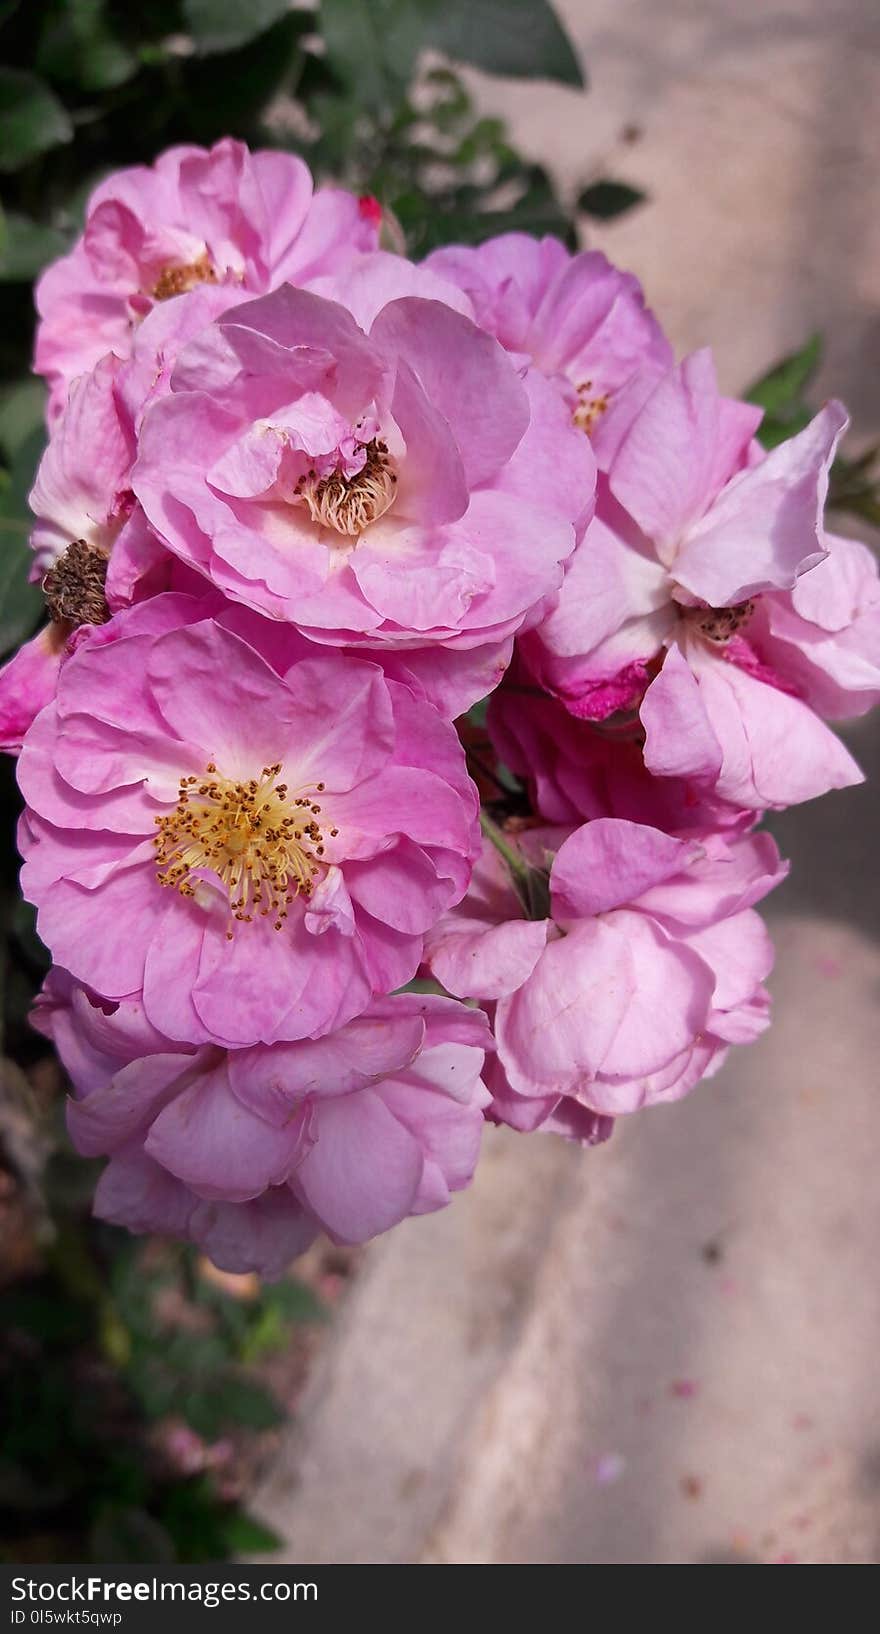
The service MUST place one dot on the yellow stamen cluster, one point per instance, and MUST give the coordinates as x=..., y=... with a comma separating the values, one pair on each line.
x=350, y=504
x=178, y=280
x=262, y=841
x=589, y=408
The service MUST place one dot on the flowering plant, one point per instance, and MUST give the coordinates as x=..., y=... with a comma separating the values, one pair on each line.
x=315, y=914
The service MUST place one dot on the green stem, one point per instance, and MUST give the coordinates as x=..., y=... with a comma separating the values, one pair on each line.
x=515, y=863
x=71, y=1260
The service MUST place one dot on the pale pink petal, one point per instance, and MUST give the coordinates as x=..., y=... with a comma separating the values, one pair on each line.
x=366, y=283
x=108, y=1117
x=679, y=740
x=740, y=953
x=473, y=958
x=765, y=527
x=363, y=1171
x=555, y=1031
x=465, y=374
x=264, y=1235
x=679, y=451
x=83, y=477
x=610, y=862
x=27, y=683
x=217, y=1146
x=776, y=752
x=273, y=1082
x=137, y=1193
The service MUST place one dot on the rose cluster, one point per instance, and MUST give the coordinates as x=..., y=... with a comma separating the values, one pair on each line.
x=315, y=913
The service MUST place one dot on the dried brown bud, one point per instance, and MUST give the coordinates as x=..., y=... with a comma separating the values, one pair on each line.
x=74, y=587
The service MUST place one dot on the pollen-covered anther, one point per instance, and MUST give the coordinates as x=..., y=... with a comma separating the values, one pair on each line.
x=178, y=280
x=719, y=624
x=260, y=839
x=590, y=407
x=350, y=504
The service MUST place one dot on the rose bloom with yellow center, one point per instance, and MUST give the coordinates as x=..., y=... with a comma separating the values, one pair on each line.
x=245, y=834
x=371, y=468
x=198, y=217
x=580, y=320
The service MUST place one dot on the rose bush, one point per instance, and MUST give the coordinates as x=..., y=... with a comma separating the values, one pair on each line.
x=305, y=504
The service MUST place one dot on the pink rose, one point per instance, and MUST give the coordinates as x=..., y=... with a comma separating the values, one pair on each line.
x=221, y=216
x=402, y=489
x=649, y=965
x=582, y=321
x=252, y=835
x=250, y=1153
x=699, y=553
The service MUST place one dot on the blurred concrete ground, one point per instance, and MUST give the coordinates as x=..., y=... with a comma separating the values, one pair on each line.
x=666, y=1351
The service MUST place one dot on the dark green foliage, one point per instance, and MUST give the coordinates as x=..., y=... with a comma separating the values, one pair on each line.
x=96, y=1354
x=373, y=45
x=90, y=85
x=787, y=396
x=20, y=601
x=782, y=393
x=32, y=119
x=604, y=200
x=524, y=40
x=223, y=25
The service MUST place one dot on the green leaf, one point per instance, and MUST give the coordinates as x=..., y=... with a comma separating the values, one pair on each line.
x=243, y=1535
x=42, y=1310
x=243, y=1401
x=476, y=715
x=198, y=1356
x=866, y=505
x=373, y=44
x=196, y=1521
x=781, y=390
x=296, y=1301
x=78, y=46
x=127, y=1536
x=524, y=39
x=267, y=1332
x=422, y=984
x=269, y=1321
x=20, y=602
x=32, y=119
x=222, y=25
x=228, y=90
x=232, y=1399
x=155, y=1389
x=774, y=429
x=605, y=199
x=22, y=411
x=24, y=929
x=25, y=247
x=534, y=213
